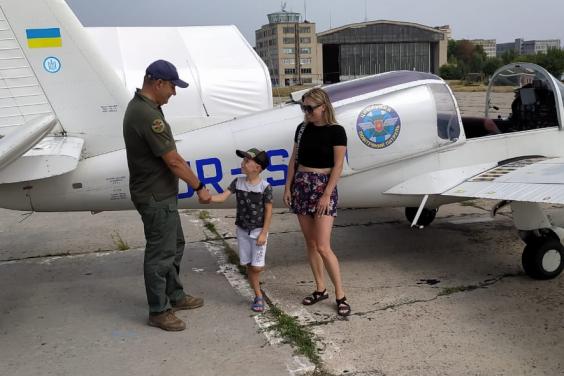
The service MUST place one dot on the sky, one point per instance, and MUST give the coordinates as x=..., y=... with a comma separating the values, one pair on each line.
x=503, y=20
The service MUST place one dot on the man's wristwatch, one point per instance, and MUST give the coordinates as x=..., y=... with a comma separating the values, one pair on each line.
x=199, y=187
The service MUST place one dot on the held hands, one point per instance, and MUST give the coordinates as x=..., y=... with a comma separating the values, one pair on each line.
x=204, y=196
x=261, y=240
x=323, y=205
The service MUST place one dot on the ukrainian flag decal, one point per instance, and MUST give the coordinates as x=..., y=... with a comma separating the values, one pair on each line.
x=44, y=38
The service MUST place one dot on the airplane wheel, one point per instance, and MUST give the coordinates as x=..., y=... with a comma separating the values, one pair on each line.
x=543, y=258
x=427, y=215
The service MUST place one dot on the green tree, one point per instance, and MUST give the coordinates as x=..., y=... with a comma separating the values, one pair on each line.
x=491, y=65
x=465, y=51
x=450, y=72
x=508, y=56
x=552, y=61
x=451, y=51
x=466, y=56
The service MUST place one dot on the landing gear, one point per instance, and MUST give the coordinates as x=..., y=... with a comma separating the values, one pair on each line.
x=427, y=215
x=543, y=258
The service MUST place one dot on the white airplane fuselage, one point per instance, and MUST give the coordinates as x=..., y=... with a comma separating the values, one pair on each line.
x=100, y=183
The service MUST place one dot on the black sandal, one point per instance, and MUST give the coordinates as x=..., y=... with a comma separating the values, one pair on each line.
x=343, y=308
x=315, y=297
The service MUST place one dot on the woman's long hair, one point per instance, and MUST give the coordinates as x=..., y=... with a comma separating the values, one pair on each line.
x=319, y=96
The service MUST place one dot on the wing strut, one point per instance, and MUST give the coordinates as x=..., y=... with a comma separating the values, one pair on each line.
x=418, y=214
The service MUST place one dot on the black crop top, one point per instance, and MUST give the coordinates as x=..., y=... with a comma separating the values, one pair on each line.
x=316, y=144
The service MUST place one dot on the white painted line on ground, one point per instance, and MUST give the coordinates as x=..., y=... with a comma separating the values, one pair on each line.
x=298, y=365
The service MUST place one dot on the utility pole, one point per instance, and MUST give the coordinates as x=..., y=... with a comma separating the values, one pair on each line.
x=297, y=52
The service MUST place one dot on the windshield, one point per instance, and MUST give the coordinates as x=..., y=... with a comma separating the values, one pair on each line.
x=507, y=83
x=523, y=96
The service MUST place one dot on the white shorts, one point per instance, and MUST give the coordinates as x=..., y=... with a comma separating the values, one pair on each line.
x=249, y=252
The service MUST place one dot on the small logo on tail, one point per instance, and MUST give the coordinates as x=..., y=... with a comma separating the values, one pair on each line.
x=52, y=64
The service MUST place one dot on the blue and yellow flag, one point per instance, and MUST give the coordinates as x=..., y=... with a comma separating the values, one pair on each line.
x=43, y=38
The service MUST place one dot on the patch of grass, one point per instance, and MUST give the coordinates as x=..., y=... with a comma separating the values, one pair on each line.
x=483, y=284
x=204, y=215
x=211, y=227
x=119, y=242
x=287, y=326
x=285, y=91
x=295, y=334
x=232, y=256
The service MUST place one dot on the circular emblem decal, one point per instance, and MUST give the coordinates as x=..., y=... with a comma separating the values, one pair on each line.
x=52, y=64
x=378, y=126
x=158, y=126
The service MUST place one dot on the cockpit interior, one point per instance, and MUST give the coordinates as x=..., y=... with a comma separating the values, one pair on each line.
x=533, y=104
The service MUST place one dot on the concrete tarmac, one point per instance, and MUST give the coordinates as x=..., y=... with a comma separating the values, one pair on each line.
x=86, y=313
x=450, y=299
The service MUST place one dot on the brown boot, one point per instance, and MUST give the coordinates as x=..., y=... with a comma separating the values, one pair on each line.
x=167, y=321
x=188, y=302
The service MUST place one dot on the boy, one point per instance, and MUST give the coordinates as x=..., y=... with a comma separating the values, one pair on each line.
x=254, y=213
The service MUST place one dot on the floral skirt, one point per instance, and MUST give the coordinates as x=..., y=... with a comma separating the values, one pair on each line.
x=307, y=189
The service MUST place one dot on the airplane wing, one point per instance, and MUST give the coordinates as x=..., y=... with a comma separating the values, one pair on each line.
x=529, y=180
x=535, y=179
x=26, y=154
x=15, y=144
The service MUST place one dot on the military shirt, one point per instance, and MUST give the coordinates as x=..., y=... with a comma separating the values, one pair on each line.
x=147, y=138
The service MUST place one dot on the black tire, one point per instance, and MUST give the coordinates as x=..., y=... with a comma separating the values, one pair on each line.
x=427, y=215
x=543, y=258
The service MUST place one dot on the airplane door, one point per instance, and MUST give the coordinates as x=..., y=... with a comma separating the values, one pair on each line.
x=390, y=127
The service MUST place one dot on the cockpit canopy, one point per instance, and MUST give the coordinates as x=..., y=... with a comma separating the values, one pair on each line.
x=525, y=96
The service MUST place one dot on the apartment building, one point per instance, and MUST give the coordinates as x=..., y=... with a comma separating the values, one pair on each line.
x=289, y=48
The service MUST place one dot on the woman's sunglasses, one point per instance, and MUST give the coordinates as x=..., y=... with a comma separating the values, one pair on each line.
x=308, y=109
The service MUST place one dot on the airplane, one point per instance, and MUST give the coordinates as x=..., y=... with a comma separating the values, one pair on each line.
x=408, y=145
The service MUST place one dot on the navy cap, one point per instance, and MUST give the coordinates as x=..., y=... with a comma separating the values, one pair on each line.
x=259, y=156
x=164, y=70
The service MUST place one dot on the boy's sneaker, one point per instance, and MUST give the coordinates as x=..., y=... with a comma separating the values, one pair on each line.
x=167, y=321
x=188, y=302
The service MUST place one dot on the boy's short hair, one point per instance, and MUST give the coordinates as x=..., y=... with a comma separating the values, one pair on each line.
x=259, y=156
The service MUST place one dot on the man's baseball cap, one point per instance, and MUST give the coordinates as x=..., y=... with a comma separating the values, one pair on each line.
x=259, y=156
x=164, y=70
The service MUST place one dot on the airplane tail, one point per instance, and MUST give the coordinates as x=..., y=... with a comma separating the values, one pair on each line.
x=48, y=64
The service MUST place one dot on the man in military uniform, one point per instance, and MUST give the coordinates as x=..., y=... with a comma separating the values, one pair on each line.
x=154, y=169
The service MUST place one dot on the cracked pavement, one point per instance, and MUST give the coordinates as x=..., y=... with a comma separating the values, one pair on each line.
x=450, y=299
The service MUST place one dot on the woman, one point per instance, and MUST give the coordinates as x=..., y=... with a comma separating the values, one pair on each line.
x=311, y=190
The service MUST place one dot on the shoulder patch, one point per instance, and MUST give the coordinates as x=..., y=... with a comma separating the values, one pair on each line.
x=158, y=126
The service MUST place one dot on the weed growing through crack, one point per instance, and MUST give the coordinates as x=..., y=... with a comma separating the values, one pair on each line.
x=119, y=242
x=232, y=256
x=300, y=338
x=287, y=326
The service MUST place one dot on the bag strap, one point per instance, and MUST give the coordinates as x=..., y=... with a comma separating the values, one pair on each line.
x=298, y=140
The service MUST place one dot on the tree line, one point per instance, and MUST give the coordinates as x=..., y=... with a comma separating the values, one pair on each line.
x=464, y=58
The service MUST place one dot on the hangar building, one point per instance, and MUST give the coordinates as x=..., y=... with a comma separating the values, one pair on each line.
x=366, y=48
